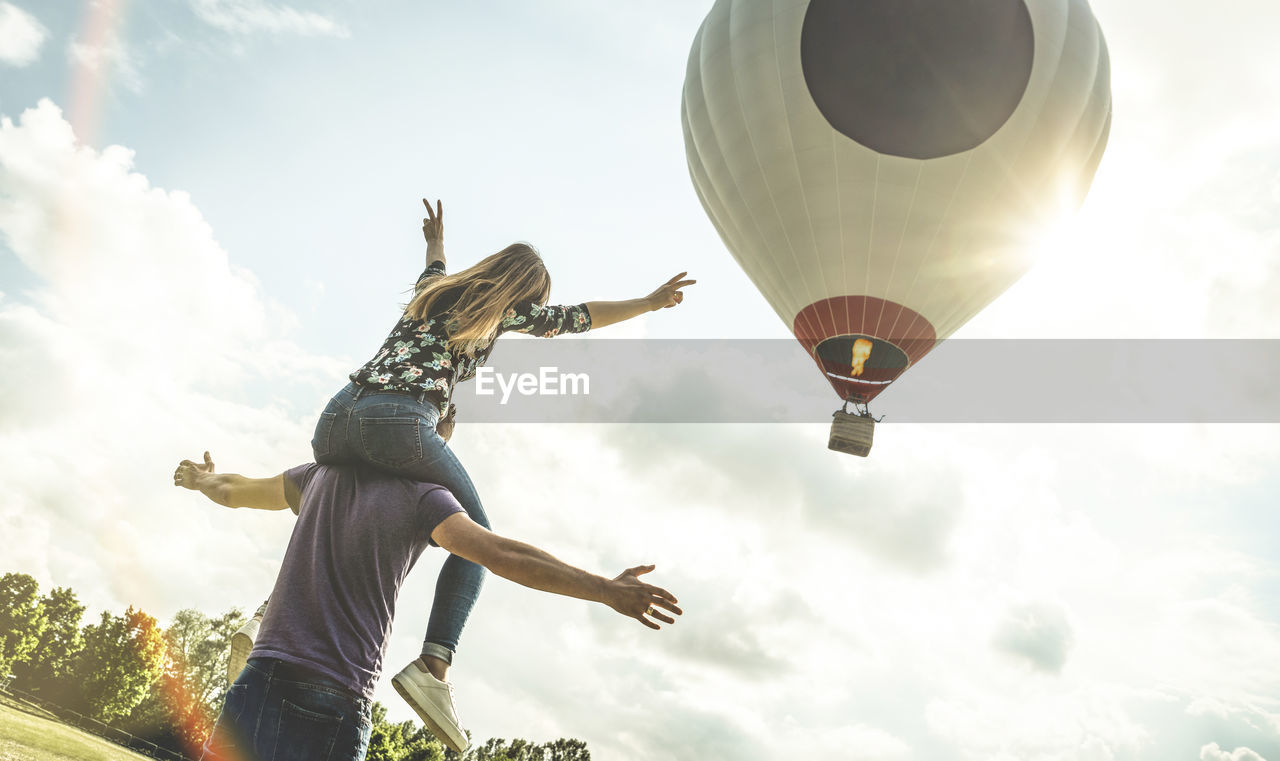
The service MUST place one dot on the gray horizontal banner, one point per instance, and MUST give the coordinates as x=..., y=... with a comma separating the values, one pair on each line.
x=568, y=380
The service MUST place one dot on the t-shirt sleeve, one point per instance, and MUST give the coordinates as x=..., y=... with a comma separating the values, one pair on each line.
x=436, y=505
x=295, y=482
x=435, y=269
x=546, y=321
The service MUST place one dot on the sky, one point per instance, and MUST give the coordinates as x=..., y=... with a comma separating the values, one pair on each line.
x=209, y=214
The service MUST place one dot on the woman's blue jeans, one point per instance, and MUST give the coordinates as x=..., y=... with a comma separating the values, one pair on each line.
x=396, y=432
x=276, y=711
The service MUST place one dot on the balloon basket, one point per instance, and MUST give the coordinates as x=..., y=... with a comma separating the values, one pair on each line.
x=851, y=432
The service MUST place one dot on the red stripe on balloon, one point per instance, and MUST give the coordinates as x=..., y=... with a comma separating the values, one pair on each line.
x=866, y=316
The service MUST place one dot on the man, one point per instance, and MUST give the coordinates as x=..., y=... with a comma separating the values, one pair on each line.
x=242, y=640
x=306, y=690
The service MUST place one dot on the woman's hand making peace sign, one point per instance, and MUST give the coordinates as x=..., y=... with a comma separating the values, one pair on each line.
x=433, y=224
x=668, y=294
x=609, y=312
x=433, y=231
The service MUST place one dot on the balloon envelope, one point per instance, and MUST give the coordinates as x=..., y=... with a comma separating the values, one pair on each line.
x=875, y=166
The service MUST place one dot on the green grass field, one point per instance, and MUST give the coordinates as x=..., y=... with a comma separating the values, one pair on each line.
x=29, y=734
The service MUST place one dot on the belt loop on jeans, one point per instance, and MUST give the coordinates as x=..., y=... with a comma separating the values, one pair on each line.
x=359, y=391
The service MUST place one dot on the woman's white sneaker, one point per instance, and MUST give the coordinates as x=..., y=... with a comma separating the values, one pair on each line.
x=432, y=700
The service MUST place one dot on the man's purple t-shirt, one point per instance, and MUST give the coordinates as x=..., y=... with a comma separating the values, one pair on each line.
x=359, y=532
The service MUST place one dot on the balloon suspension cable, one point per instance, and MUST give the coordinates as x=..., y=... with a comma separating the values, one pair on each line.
x=861, y=409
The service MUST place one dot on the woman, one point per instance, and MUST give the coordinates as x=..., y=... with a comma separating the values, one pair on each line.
x=388, y=414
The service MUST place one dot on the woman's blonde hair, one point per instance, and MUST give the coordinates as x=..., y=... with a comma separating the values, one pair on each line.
x=486, y=290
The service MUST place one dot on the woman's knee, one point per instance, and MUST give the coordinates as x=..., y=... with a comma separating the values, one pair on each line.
x=478, y=515
x=463, y=491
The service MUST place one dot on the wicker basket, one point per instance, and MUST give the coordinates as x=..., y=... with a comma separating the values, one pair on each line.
x=851, y=433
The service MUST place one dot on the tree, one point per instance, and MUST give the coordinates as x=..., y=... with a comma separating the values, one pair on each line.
x=122, y=658
x=179, y=710
x=22, y=619
x=501, y=750
x=385, y=742
x=198, y=646
x=47, y=668
x=566, y=749
x=522, y=750
x=421, y=745
x=401, y=742
x=407, y=742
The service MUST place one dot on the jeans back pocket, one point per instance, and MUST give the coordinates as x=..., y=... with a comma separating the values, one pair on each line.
x=391, y=442
x=304, y=734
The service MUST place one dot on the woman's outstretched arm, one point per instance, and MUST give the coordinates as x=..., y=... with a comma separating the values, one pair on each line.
x=667, y=295
x=433, y=231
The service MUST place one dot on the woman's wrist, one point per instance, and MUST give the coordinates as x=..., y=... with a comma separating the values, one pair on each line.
x=435, y=251
x=611, y=312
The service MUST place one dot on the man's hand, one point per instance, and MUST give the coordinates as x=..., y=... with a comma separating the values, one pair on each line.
x=433, y=224
x=633, y=598
x=188, y=473
x=445, y=425
x=668, y=294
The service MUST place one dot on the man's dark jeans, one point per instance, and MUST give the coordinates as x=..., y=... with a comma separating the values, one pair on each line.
x=277, y=711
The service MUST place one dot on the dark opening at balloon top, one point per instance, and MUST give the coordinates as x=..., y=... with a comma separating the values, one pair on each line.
x=917, y=78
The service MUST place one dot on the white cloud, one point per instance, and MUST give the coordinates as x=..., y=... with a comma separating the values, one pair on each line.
x=1038, y=632
x=1212, y=752
x=252, y=16
x=21, y=36
x=133, y=352
x=878, y=504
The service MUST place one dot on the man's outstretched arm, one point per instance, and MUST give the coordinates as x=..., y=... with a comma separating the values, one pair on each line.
x=231, y=489
x=534, y=568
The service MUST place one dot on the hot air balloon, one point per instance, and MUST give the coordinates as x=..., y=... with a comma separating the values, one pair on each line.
x=876, y=166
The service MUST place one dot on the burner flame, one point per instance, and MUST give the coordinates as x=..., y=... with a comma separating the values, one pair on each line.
x=861, y=353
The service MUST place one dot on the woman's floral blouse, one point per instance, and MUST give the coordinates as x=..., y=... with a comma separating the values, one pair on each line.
x=414, y=357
